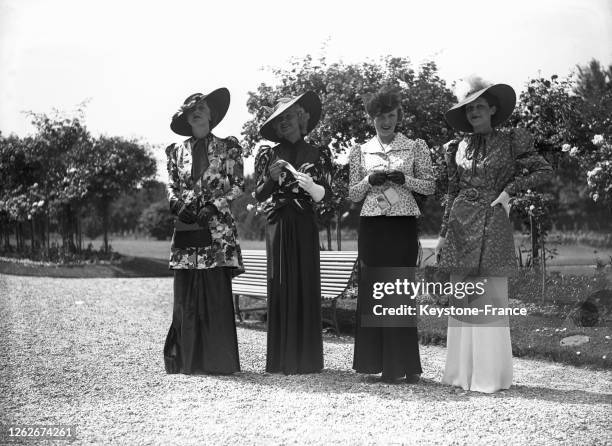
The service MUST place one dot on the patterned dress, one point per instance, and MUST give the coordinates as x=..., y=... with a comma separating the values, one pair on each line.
x=480, y=248
x=479, y=237
x=295, y=343
x=202, y=337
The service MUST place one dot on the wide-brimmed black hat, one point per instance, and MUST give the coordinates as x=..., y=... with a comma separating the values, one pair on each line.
x=505, y=95
x=218, y=103
x=309, y=101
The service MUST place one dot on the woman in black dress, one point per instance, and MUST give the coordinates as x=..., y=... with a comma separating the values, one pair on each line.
x=384, y=172
x=291, y=178
x=205, y=174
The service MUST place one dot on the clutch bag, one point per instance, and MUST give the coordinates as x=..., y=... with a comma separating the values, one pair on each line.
x=190, y=235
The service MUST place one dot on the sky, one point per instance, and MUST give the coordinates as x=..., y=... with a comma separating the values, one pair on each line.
x=136, y=61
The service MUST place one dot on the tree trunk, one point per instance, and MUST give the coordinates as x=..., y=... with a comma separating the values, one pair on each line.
x=105, y=212
x=69, y=230
x=32, y=232
x=19, y=237
x=47, y=230
x=535, y=255
x=41, y=232
x=79, y=235
x=543, y=265
x=329, y=236
x=338, y=231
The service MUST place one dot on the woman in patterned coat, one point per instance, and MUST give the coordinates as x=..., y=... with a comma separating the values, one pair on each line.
x=385, y=172
x=485, y=169
x=292, y=177
x=205, y=173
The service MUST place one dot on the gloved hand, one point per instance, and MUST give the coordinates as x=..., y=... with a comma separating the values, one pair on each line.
x=206, y=213
x=187, y=214
x=397, y=177
x=275, y=169
x=377, y=178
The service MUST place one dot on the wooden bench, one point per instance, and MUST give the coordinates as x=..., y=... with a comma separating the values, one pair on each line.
x=336, y=271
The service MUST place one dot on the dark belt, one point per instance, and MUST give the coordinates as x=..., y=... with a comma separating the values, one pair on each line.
x=299, y=205
x=473, y=194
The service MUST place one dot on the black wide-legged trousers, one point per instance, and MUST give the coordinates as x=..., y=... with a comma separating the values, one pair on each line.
x=394, y=351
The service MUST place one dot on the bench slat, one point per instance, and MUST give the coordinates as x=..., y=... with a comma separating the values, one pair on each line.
x=336, y=269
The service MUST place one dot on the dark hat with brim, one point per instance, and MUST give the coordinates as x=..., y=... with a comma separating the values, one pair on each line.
x=309, y=101
x=506, y=97
x=218, y=102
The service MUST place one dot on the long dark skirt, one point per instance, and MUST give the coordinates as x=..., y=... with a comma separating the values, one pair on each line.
x=394, y=351
x=295, y=343
x=202, y=337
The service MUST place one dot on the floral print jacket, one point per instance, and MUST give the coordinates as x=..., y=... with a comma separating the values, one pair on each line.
x=219, y=184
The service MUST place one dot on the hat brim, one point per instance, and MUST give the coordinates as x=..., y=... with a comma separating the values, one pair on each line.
x=506, y=96
x=218, y=101
x=309, y=101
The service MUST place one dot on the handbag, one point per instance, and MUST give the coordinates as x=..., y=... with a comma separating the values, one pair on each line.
x=188, y=235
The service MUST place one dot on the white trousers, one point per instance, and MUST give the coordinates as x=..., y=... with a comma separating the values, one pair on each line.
x=479, y=351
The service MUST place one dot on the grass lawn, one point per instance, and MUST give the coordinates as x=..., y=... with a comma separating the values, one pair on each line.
x=568, y=256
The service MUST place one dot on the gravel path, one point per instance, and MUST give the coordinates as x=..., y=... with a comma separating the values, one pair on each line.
x=87, y=352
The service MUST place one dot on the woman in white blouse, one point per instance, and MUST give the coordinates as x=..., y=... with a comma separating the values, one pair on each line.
x=384, y=172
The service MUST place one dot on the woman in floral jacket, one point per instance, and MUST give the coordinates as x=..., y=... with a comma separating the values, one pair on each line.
x=485, y=168
x=205, y=174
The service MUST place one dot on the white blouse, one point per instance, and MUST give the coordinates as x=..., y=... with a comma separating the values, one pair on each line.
x=406, y=155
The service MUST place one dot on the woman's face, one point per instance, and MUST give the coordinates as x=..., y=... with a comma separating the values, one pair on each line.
x=199, y=116
x=478, y=114
x=287, y=124
x=385, y=124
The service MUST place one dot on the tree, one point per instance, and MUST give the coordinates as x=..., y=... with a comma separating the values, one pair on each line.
x=112, y=166
x=157, y=220
x=51, y=188
x=571, y=120
x=51, y=176
x=125, y=211
x=593, y=82
x=594, y=87
x=340, y=86
x=20, y=197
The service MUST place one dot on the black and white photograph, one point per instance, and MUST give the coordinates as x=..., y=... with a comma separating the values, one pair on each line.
x=316, y=223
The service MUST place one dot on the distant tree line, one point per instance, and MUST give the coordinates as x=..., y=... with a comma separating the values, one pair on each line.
x=54, y=180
